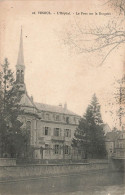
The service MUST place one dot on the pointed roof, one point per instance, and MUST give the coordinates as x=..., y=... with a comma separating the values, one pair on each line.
x=26, y=101
x=20, y=60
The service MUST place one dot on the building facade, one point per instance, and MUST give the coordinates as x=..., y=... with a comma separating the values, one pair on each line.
x=51, y=127
x=110, y=140
x=119, y=148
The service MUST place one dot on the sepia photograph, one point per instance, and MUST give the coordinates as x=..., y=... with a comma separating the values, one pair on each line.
x=62, y=97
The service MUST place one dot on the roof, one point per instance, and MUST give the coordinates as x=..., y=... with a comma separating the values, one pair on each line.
x=52, y=108
x=111, y=136
x=121, y=135
x=106, y=128
x=26, y=101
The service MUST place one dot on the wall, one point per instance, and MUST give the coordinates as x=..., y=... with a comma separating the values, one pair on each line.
x=13, y=172
x=97, y=160
x=7, y=161
x=52, y=140
x=117, y=165
x=39, y=139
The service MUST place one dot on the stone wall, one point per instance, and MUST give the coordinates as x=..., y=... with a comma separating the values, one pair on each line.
x=117, y=164
x=13, y=172
x=98, y=160
x=7, y=161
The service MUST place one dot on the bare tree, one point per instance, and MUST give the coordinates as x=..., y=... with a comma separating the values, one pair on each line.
x=100, y=39
x=119, y=96
x=117, y=5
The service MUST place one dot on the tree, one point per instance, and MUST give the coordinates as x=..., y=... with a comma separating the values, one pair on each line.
x=11, y=135
x=119, y=96
x=117, y=5
x=89, y=136
x=100, y=40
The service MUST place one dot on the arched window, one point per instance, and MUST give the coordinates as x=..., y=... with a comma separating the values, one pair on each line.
x=28, y=125
x=22, y=76
x=18, y=76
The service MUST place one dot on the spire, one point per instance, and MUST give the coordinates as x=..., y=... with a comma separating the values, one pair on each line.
x=20, y=60
x=20, y=67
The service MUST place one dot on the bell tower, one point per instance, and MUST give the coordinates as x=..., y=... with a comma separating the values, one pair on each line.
x=20, y=66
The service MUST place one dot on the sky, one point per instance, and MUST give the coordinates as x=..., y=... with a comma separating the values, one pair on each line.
x=55, y=71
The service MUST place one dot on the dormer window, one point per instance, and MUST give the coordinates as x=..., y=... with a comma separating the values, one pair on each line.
x=57, y=118
x=67, y=120
x=74, y=120
x=47, y=116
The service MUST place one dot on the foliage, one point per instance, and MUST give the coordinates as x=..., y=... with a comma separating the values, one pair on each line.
x=89, y=136
x=12, y=137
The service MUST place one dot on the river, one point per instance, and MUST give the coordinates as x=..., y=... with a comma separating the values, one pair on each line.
x=101, y=183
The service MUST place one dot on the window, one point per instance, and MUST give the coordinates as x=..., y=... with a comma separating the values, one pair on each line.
x=67, y=150
x=47, y=117
x=54, y=117
x=67, y=120
x=64, y=118
x=42, y=115
x=22, y=76
x=74, y=120
x=47, y=149
x=46, y=130
x=57, y=118
x=28, y=125
x=28, y=132
x=67, y=133
x=18, y=76
x=56, y=132
x=57, y=149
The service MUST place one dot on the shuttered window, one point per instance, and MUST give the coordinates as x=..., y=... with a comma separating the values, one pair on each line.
x=67, y=132
x=67, y=149
x=56, y=132
x=47, y=131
